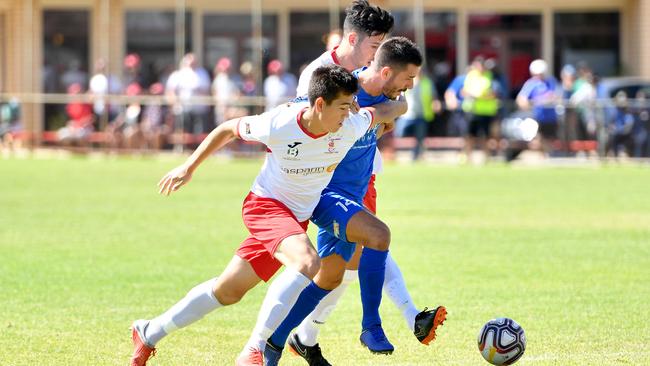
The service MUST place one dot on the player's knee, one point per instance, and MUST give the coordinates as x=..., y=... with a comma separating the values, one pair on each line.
x=380, y=238
x=228, y=295
x=329, y=283
x=310, y=266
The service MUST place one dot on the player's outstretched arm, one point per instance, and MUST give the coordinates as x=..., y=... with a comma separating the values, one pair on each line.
x=179, y=176
x=385, y=113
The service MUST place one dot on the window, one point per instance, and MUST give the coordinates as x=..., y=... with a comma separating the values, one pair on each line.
x=65, y=62
x=513, y=40
x=308, y=31
x=66, y=48
x=588, y=37
x=439, y=39
x=230, y=35
x=152, y=36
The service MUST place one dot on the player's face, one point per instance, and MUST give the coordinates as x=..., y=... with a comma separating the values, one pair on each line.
x=336, y=112
x=400, y=81
x=366, y=48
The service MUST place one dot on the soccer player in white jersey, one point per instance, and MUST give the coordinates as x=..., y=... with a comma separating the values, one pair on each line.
x=364, y=29
x=305, y=143
x=394, y=285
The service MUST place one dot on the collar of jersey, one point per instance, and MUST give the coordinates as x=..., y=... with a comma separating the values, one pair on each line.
x=334, y=58
x=298, y=118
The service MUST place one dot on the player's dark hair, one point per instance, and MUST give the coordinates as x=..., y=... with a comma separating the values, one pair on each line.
x=363, y=18
x=329, y=82
x=397, y=53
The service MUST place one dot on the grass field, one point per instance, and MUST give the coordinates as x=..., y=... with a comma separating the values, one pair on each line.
x=87, y=246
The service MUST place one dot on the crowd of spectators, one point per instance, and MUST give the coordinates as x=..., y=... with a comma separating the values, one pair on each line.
x=185, y=100
x=190, y=100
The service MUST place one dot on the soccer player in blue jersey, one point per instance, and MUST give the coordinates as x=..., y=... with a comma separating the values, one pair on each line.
x=343, y=221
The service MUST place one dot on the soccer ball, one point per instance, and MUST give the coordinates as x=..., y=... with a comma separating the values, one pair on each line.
x=502, y=341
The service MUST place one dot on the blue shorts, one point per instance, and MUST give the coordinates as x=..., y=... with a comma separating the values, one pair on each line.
x=332, y=215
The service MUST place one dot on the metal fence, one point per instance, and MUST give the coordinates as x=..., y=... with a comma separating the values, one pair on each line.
x=604, y=127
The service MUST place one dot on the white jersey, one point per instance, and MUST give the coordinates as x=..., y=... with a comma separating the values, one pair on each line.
x=326, y=58
x=298, y=165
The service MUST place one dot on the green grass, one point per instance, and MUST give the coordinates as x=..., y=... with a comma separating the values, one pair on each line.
x=87, y=246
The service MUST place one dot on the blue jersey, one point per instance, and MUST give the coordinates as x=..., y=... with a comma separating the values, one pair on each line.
x=353, y=173
x=456, y=86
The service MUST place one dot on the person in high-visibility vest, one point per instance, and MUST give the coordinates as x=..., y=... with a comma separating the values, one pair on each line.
x=481, y=105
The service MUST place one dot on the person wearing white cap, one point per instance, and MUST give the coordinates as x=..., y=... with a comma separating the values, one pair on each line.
x=539, y=96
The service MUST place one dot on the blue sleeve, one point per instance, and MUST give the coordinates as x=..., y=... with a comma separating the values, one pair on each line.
x=527, y=90
x=457, y=84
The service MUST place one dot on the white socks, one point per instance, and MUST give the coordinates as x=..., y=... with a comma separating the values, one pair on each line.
x=198, y=302
x=280, y=298
x=308, y=330
x=395, y=288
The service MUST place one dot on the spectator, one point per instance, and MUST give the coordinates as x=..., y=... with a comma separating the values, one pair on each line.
x=279, y=86
x=225, y=90
x=132, y=70
x=10, y=124
x=538, y=97
x=568, y=117
x=481, y=105
x=124, y=131
x=641, y=130
x=133, y=136
x=80, y=123
x=584, y=98
x=248, y=85
x=102, y=84
x=453, y=102
x=423, y=103
x=620, y=129
x=154, y=124
x=73, y=75
x=499, y=89
x=183, y=85
x=568, y=79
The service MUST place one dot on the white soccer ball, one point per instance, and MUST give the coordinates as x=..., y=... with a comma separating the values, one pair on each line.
x=502, y=341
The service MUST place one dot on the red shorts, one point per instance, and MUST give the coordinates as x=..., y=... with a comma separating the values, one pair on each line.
x=269, y=222
x=370, y=199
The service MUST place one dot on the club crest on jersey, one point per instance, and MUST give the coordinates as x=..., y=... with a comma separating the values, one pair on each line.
x=331, y=145
x=293, y=150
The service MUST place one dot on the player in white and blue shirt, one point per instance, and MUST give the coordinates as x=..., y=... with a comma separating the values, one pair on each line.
x=342, y=201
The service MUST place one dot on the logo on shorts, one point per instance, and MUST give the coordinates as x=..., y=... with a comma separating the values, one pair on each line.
x=293, y=149
x=336, y=228
x=248, y=128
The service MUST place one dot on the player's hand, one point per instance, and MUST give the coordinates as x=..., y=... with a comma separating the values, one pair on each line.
x=174, y=180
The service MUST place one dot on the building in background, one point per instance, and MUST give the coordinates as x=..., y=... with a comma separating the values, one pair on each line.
x=43, y=42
